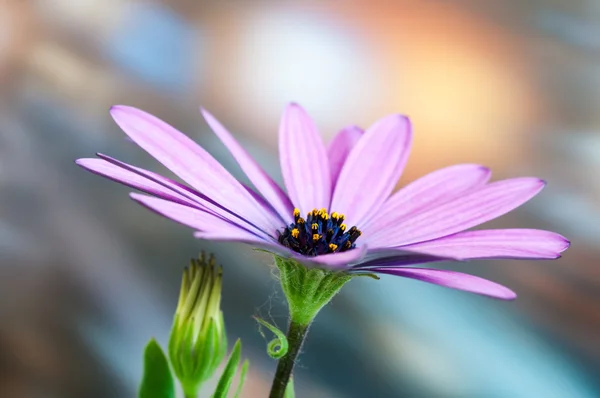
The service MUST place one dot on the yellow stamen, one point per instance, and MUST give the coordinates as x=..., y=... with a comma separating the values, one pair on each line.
x=295, y=232
x=334, y=215
x=296, y=212
x=315, y=212
x=316, y=237
x=332, y=247
x=301, y=220
x=315, y=226
x=343, y=227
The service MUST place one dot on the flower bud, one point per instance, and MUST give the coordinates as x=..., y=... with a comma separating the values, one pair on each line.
x=198, y=342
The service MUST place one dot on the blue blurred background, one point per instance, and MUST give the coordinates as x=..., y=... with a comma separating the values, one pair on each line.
x=87, y=276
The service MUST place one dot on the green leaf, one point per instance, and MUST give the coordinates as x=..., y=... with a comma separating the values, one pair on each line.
x=289, y=390
x=229, y=371
x=278, y=347
x=158, y=380
x=242, y=378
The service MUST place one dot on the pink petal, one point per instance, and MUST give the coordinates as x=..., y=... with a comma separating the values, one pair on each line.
x=434, y=188
x=194, y=218
x=261, y=180
x=453, y=280
x=205, y=203
x=372, y=169
x=339, y=148
x=461, y=213
x=190, y=162
x=499, y=243
x=134, y=180
x=304, y=162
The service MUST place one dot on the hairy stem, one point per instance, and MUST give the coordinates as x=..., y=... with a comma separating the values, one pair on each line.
x=295, y=336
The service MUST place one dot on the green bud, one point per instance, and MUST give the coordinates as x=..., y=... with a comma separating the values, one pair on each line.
x=198, y=342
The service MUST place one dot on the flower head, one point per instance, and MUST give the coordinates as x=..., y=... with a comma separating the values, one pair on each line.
x=198, y=342
x=339, y=212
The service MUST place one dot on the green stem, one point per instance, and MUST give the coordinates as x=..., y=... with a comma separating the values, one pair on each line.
x=189, y=396
x=296, y=335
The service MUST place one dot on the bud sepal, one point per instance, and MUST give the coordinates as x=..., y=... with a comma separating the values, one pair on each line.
x=308, y=289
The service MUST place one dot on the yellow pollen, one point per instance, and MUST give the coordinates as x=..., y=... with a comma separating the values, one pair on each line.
x=315, y=212
x=332, y=247
x=296, y=212
x=343, y=227
x=295, y=232
x=315, y=226
x=316, y=237
x=301, y=220
x=334, y=214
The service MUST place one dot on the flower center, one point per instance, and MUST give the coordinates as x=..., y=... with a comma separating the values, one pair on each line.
x=319, y=233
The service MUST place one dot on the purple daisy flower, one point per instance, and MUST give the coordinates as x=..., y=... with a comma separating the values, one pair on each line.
x=339, y=212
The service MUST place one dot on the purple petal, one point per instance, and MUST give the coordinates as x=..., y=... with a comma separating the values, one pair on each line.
x=453, y=280
x=261, y=180
x=372, y=169
x=337, y=260
x=433, y=189
x=304, y=163
x=463, y=212
x=270, y=246
x=190, y=162
x=266, y=206
x=134, y=180
x=202, y=201
x=330, y=261
x=240, y=236
x=194, y=218
x=397, y=258
x=339, y=149
x=499, y=243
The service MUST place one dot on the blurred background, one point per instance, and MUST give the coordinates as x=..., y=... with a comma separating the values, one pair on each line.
x=87, y=276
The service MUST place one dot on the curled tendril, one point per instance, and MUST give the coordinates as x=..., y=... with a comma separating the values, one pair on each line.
x=278, y=347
